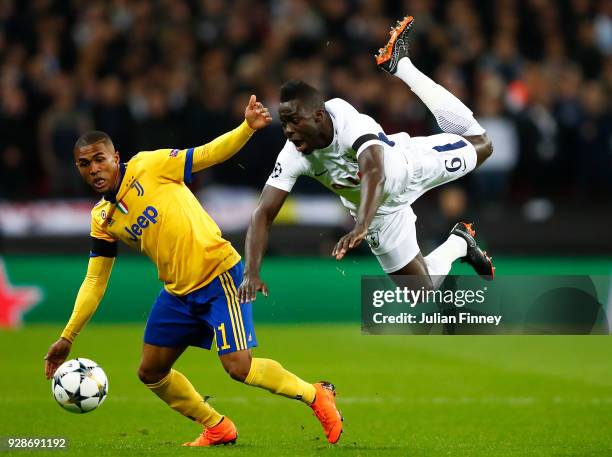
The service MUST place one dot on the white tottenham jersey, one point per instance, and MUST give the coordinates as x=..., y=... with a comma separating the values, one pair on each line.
x=336, y=166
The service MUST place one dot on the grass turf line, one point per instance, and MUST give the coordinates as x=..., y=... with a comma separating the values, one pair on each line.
x=417, y=396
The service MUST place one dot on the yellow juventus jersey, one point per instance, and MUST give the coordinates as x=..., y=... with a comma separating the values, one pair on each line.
x=154, y=212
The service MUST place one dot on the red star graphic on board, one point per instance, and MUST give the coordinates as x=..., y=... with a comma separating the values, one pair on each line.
x=15, y=301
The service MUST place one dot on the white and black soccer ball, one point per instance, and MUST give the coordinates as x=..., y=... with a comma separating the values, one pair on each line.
x=79, y=385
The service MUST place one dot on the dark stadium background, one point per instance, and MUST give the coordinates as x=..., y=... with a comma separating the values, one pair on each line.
x=177, y=73
x=537, y=73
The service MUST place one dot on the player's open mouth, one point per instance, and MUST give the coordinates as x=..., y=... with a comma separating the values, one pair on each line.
x=99, y=183
x=299, y=145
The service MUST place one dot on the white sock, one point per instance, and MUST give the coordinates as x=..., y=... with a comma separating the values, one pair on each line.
x=451, y=114
x=440, y=260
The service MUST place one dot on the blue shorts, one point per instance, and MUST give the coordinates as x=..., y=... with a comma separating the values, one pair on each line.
x=212, y=312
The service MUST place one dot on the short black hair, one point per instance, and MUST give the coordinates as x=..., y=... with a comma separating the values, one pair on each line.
x=298, y=89
x=92, y=137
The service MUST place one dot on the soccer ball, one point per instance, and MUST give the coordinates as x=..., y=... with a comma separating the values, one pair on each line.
x=79, y=385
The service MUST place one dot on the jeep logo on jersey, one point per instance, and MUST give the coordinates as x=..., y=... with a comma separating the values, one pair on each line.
x=148, y=216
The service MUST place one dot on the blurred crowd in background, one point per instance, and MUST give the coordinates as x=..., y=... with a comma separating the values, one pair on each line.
x=177, y=73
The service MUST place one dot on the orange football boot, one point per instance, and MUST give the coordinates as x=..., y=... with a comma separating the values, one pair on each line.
x=397, y=47
x=224, y=432
x=324, y=407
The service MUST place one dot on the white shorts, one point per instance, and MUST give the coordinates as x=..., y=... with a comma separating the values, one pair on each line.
x=392, y=239
x=431, y=161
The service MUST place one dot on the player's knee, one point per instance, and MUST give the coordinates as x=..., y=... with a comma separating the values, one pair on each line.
x=237, y=367
x=484, y=150
x=483, y=146
x=239, y=373
x=151, y=376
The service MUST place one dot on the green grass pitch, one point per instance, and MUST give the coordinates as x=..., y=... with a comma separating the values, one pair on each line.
x=404, y=396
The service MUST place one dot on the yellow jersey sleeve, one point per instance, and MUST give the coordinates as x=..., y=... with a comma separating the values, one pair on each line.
x=179, y=164
x=89, y=296
x=98, y=220
x=222, y=148
x=170, y=164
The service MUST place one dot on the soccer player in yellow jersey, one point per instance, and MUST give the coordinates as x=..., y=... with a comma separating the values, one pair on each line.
x=147, y=205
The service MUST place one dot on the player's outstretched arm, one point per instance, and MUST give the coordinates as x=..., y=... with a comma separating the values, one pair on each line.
x=256, y=117
x=270, y=203
x=89, y=296
x=371, y=168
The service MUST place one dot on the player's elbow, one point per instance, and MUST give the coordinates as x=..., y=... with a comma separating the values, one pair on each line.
x=262, y=216
x=377, y=176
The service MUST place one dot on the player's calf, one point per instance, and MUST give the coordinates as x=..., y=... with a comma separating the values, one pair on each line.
x=450, y=113
x=414, y=275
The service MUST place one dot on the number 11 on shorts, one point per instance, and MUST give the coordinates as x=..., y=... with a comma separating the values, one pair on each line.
x=221, y=329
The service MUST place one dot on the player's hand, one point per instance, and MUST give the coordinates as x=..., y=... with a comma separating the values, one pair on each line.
x=57, y=354
x=349, y=241
x=257, y=115
x=249, y=288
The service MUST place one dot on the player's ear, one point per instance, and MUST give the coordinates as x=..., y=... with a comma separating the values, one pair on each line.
x=318, y=115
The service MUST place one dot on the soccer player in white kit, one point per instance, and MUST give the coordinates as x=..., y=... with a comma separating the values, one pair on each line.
x=377, y=176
